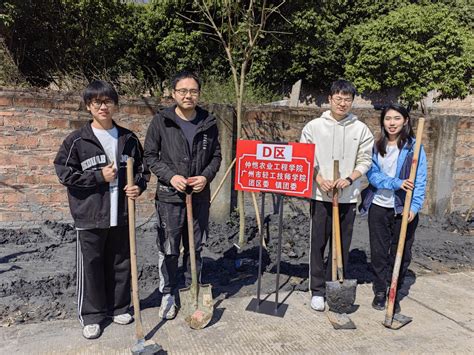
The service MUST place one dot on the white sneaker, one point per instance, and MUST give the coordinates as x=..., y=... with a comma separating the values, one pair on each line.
x=91, y=331
x=317, y=303
x=168, y=307
x=123, y=319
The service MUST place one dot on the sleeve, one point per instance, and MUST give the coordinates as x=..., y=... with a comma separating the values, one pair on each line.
x=142, y=174
x=212, y=168
x=420, y=183
x=363, y=159
x=378, y=179
x=69, y=170
x=153, y=151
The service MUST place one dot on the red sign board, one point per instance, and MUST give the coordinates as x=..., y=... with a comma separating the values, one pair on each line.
x=285, y=168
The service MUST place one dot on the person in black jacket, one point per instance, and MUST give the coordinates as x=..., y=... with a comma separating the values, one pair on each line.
x=91, y=163
x=182, y=149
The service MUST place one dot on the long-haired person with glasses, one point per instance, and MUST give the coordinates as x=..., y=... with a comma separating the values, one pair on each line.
x=384, y=199
x=182, y=149
x=92, y=164
x=338, y=135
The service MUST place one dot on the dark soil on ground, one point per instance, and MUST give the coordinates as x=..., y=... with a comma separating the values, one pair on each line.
x=38, y=271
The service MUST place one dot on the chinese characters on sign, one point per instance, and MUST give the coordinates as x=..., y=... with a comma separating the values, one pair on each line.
x=275, y=167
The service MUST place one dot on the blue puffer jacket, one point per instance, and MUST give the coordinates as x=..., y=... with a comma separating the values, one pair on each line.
x=379, y=180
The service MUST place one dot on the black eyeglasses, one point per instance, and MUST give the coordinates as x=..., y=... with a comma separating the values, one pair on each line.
x=98, y=103
x=184, y=92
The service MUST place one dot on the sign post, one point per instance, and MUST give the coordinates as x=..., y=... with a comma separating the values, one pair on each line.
x=281, y=168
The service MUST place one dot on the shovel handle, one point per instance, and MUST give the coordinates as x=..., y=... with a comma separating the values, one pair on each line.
x=403, y=228
x=133, y=254
x=336, y=225
x=192, y=253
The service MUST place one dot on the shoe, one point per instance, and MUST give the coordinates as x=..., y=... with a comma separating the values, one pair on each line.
x=317, y=303
x=379, y=301
x=91, y=331
x=123, y=319
x=168, y=307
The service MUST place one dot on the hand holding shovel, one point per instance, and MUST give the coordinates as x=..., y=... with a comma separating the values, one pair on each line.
x=340, y=293
x=399, y=320
x=141, y=346
x=197, y=305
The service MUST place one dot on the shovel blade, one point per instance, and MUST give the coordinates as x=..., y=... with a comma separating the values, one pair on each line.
x=340, y=296
x=340, y=321
x=398, y=321
x=197, y=314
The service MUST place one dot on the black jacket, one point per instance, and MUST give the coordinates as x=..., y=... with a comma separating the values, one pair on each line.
x=167, y=153
x=79, y=164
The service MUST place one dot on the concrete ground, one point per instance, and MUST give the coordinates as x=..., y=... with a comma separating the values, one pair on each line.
x=441, y=307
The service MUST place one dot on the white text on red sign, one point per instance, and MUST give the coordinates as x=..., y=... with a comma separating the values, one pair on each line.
x=274, y=152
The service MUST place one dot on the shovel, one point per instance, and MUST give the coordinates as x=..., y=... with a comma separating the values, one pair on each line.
x=197, y=305
x=399, y=320
x=340, y=294
x=141, y=346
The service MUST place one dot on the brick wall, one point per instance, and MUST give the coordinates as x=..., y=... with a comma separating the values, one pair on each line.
x=33, y=125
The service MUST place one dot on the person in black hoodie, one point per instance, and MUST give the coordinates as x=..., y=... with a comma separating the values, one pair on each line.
x=182, y=149
x=92, y=164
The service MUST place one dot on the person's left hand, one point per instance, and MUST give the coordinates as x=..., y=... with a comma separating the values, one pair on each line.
x=341, y=183
x=133, y=191
x=197, y=183
x=411, y=216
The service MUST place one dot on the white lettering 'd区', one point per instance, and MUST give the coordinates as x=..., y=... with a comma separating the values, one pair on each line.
x=274, y=152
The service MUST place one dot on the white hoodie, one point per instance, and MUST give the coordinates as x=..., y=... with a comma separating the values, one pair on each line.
x=349, y=141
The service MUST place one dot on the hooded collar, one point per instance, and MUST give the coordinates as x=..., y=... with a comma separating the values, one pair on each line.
x=345, y=121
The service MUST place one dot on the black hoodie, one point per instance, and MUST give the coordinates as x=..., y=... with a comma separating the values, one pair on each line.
x=79, y=164
x=167, y=153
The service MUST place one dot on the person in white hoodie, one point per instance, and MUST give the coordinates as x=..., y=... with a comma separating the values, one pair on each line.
x=337, y=135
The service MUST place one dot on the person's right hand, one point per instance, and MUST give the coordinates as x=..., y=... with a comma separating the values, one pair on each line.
x=109, y=172
x=407, y=185
x=326, y=185
x=179, y=183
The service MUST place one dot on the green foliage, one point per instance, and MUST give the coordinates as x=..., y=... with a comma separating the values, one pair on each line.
x=51, y=37
x=425, y=43
x=9, y=73
x=416, y=48
x=216, y=90
x=307, y=44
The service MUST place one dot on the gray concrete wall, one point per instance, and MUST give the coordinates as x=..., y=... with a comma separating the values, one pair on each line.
x=222, y=204
x=441, y=179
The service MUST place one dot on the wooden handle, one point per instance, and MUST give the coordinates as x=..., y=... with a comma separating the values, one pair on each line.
x=133, y=254
x=336, y=224
x=222, y=181
x=192, y=252
x=403, y=228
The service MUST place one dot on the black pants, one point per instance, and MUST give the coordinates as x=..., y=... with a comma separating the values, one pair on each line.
x=321, y=232
x=103, y=273
x=384, y=232
x=172, y=230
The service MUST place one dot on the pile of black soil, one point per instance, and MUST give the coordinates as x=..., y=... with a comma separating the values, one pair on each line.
x=457, y=222
x=38, y=265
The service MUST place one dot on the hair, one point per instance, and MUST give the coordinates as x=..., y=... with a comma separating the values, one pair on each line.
x=185, y=74
x=343, y=87
x=406, y=134
x=99, y=88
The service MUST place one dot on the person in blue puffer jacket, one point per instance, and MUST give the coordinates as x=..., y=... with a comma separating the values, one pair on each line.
x=384, y=198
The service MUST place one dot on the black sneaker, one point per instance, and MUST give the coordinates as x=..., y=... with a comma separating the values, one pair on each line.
x=379, y=301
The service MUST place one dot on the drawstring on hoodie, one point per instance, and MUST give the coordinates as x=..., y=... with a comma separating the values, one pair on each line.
x=334, y=139
x=343, y=141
